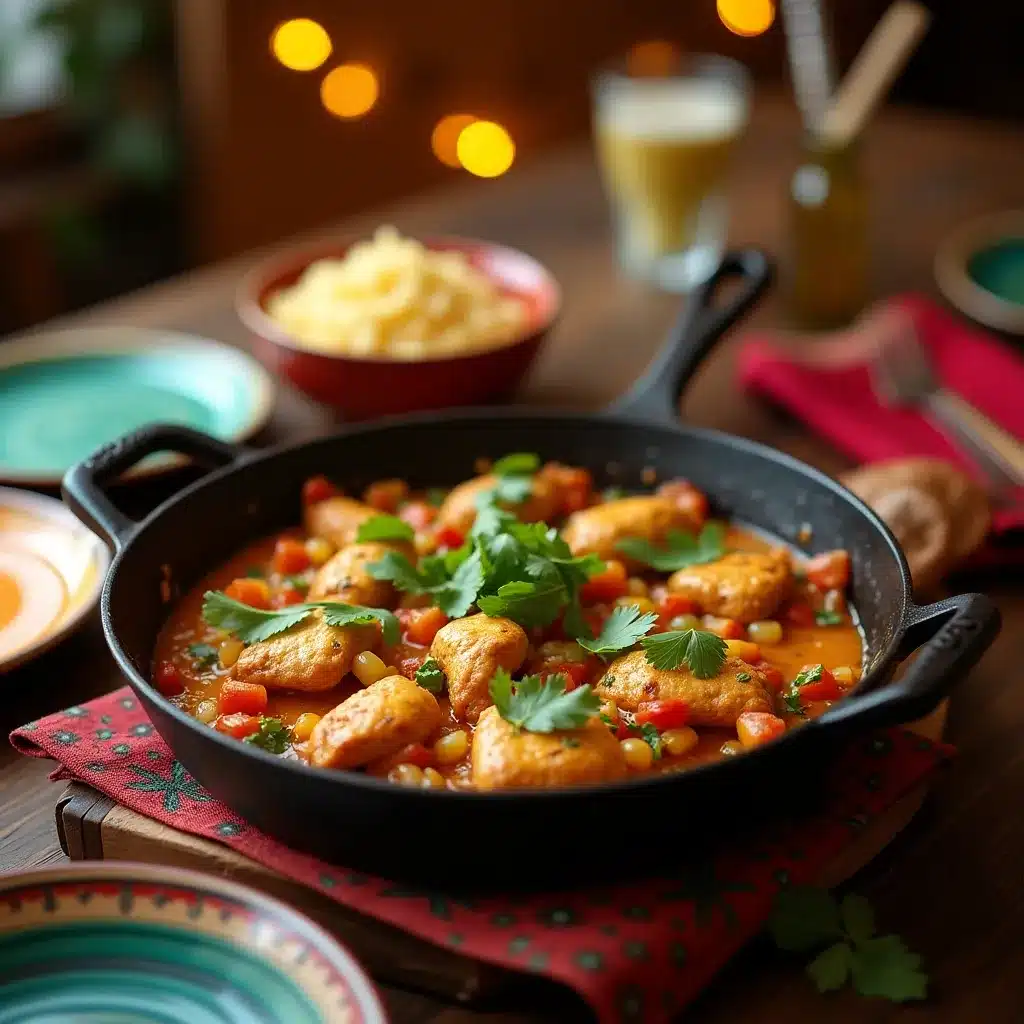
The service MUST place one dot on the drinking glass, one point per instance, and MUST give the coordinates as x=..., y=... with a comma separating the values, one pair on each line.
x=664, y=144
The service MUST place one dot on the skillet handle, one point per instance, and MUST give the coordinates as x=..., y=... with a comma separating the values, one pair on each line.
x=953, y=634
x=656, y=394
x=83, y=484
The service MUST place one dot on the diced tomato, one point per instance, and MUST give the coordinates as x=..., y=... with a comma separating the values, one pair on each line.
x=289, y=556
x=386, y=495
x=687, y=498
x=576, y=672
x=253, y=592
x=410, y=664
x=830, y=570
x=620, y=727
x=607, y=585
x=318, y=488
x=755, y=728
x=772, y=676
x=595, y=617
x=727, y=629
x=799, y=613
x=412, y=753
x=575, y=486
x=672, y=605
x=449, y=537
x=825, y=688
x=287, y=596
x=663, y=714
x=422, y=624
x=236, y=696
x=237, y=725
x=418, y=514
x=168, y=680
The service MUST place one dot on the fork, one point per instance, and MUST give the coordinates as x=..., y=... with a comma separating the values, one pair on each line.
x=904, y=375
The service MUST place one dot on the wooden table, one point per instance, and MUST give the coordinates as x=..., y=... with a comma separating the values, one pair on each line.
x=952, y=884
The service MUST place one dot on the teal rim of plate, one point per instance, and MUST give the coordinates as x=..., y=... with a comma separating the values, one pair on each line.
x=59, y=408
x=999, y=269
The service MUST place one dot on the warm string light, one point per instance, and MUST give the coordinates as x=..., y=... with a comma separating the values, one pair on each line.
x=747, y=17
x=349, y=90
x=300, y=44
x=485, y=149
x=444, y=139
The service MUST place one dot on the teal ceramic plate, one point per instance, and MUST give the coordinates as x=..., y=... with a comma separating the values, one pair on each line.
x=122, y=943
x=980, y=269
x=64, y=394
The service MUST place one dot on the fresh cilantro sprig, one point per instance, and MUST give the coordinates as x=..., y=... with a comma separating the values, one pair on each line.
x=805, y=918
x=681, y=549
x=650, y=735
x=430, y=676
x=542, y=706
x=272, y=735
x=621, y=630
x=827, y=618
x=702, y=652
x=205, y=655
x=384, y=528
x=252, y=625
x=513, y=479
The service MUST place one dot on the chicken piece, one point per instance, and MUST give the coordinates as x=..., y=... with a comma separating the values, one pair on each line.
x=337, y=519
x=744, y=585
x=719, y=701
x=504, y=758
x=373, y=723
x=312, y=656
x=598, y=530
x=470, y=651
x=460, y=507
x=345, y=577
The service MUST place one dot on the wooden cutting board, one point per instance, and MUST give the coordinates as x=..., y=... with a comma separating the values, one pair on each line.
x=91, y=826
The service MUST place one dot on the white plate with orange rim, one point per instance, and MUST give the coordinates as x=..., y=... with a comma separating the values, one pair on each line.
x=51, y=572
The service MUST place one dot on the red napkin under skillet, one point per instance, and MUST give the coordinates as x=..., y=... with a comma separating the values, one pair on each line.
x=826, y=383
x=637, y=951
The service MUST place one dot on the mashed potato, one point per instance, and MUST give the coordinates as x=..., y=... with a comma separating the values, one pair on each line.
x=393, y=298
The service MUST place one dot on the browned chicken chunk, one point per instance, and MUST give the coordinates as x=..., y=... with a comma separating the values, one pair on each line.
x=460, y=507
x=345, y=576
x=744, y=585
x=312, y=656
x=470, y=651
x=598, y=530
x=719, y=701
x=504, y=758
x=337, y=519
x=373, y=723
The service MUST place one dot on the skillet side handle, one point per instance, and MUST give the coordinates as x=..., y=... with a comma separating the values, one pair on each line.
x=83, y=484
x=955, y=633
x=701, y=323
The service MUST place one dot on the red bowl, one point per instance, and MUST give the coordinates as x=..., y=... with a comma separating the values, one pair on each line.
x=362, y=388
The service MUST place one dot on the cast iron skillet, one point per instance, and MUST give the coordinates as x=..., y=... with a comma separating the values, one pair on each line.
x=534, y=838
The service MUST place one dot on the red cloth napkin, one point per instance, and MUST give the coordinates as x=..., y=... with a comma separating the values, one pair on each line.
x=638, y=951
x=826, y=383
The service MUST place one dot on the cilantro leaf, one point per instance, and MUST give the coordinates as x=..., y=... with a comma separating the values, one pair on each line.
x=538, y=706
x=884, y=967
x=858, y=917
x=794, y=705
x=397, y=569
x=490, y=520
x=680, y=550
x=830, y=968
x=383, y=528
x=272, y=735
x=573, y=623
x=804, y=917
x=516, y=464
x=338, y=614
x=621, y=630
x=430, y=676
x=703, y=653
x=457, y=596
x=828, y=618
x=652, y=738
x=512, y=490
x=247, y=623
x=206, y=655
x=811, y=674
x=529, y=604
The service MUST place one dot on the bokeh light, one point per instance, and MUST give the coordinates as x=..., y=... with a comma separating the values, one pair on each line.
x=349, y=90
x=485, y=149
x=747, y=17
x=652, y=58
x=444, y=140
x=300, y=44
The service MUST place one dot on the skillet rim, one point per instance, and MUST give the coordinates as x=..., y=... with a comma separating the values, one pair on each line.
x=515, y=415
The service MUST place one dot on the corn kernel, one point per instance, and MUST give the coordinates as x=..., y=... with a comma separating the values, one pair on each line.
x=730, y=748
x=433, y=779
x=743, y=649
x=686, y=621
x=229, y=652
x=642, y=604
x=637, y=587
x=206, y=711
x=452, y=747
x=844, y=675
x=611, y=709
x=406, y=775
x=368, y=668
x=637, y=753
x=304, y=726
x=319, y=550
x=767, y=632
x=677, y=742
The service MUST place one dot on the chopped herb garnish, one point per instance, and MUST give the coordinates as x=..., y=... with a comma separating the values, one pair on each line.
x=652, y=738
x=205, y=654
x=430, y=676
x=299, y=583
x=514, y=481
x=793, y=703
x=828, y=618
x=542, y=706
x=680, y=549
x=811, y=674
x=621, y=630
x=516, y=464
x=384, y=528
x=607, y=719
x=702, y=652
x=743, y=677
x=272, y=735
